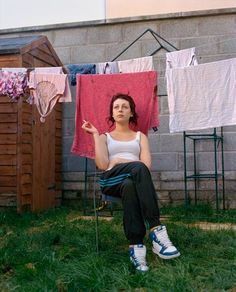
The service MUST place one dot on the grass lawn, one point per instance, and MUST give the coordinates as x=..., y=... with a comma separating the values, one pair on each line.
x=55, y=251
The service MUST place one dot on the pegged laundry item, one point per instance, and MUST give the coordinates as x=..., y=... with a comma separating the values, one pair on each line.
x=13, y=84
x=107, y=68
x=136, y=65
x=66, y=97
x=46, y=89
x=203, y=96
x=75, y=69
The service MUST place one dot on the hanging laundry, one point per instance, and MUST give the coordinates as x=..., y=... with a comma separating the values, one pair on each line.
x=13, y=84
x=46, y=90
x=181, y=58
x=177, y=59
x=136, y=65
x=66, y=97
x=80, y=69
x=203, y=96
x=107, y=68
x=93, y=96
x=15, y=70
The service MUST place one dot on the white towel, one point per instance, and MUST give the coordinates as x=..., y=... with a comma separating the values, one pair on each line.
x=182, y=58
x=203, y=96
x=107, y=68
x=136, y=65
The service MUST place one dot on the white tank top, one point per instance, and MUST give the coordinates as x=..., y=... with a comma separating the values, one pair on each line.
x=124, y=149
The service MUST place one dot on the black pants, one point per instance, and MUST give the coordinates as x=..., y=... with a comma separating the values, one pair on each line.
x=133, y=183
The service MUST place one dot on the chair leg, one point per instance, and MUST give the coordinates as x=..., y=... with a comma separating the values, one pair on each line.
x=96, y=231
x=111, y=208
x=96, y=221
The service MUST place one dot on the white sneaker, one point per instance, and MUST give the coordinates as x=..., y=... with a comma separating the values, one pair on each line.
x=161, y=244
x=137, y=254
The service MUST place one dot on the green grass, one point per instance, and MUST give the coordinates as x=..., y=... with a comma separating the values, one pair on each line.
x=50, y=252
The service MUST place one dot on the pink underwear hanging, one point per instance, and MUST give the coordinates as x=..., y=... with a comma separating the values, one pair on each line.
x=46, y=90
x=66, y=97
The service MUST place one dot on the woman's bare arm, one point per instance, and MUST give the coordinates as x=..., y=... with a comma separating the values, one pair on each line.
x=101, y=152
x=145, y=155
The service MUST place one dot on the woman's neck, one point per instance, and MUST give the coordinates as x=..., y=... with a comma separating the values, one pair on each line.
x=122, y=128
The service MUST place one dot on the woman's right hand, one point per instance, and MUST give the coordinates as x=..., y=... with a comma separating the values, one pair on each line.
x=89, y=128
x=101, y=153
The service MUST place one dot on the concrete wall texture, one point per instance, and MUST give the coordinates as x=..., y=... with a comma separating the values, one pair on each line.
x=212, y=32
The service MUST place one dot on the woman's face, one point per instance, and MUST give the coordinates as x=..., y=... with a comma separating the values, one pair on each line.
x=121, y=111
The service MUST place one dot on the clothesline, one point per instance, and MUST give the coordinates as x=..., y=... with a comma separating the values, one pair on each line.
x=97, y=67
x=49, y=84
x=125, y=66
x=13, y=81
x=197, y=47
x=44, y=90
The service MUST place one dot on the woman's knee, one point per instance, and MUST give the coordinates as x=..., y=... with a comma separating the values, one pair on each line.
x=128, y=185
x=139, y=166
x=128, y=190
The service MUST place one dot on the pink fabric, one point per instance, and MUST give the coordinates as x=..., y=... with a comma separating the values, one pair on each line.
x=46, y=90
x=66, y=97
x=93, y=96
x=13, y=84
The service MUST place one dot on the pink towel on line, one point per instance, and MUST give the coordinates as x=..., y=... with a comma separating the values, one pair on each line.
x=93, y=96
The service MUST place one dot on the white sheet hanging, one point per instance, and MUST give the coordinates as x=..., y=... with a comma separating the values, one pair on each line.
x=177, y=59
x=203, y=96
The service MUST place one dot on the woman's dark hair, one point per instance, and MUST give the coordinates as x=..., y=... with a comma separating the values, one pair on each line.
x=134, y=118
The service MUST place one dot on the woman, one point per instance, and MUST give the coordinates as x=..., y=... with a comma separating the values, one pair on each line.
x=124, y=156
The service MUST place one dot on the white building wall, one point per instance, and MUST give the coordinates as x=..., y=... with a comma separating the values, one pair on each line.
x=25, y=13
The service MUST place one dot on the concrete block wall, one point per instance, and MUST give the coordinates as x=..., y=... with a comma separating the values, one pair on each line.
x=212, y=32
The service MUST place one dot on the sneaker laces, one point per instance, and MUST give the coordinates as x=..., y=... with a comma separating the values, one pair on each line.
x=163, y=237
